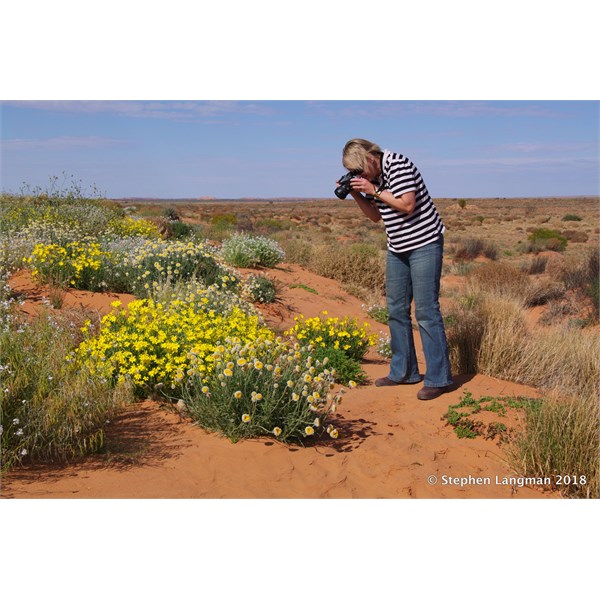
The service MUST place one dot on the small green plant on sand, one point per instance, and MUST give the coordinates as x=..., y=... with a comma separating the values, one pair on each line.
x=466, y=426
x=303, y=286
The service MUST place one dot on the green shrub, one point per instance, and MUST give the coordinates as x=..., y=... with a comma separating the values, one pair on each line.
x=182, y=230
x=548, y=239
x=261, y=289
x=171, y=213
x=570, y=217
x=262, y=389
x=345, y=369
x=242, y=250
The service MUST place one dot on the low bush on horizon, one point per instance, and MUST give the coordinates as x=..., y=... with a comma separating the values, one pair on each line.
x=471, y=248
x=546, y=239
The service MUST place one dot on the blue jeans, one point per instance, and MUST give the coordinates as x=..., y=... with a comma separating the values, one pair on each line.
x=415, y=275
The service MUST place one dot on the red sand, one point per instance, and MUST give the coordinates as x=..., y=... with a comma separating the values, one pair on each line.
x=391, y=445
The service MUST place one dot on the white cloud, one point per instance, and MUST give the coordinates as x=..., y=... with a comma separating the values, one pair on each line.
x=61, y=143
x=168, y=109
x=565, y=148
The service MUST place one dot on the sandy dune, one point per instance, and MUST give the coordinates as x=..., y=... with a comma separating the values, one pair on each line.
x=391, y=445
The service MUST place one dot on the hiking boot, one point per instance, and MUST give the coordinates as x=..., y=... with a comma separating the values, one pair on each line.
x=429, y=393
x=385, y=381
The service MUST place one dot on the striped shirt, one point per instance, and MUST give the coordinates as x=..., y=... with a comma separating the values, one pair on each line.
x=424, y=225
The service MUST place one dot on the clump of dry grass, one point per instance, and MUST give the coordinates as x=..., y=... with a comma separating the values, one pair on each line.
x=511, y=282
x=491, y=329
x=471, y=248
x=584, y=279
x=297, y=251
x=487, y=334
x=561, y=437
x=354, y=265
x=465, y=329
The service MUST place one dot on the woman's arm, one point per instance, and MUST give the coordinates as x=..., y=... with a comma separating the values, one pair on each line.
x=405, y=203
x=368, y=208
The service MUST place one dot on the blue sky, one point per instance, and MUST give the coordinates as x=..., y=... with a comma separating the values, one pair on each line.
x=234, y=149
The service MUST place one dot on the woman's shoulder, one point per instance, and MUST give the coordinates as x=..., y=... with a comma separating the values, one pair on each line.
x=390, y=158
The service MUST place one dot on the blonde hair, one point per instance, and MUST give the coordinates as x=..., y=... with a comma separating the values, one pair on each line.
x=354, y=156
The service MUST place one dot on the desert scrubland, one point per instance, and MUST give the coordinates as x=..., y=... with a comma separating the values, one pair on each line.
x=284, y=299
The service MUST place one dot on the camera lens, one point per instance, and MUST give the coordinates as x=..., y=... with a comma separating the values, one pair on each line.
x=342, y=191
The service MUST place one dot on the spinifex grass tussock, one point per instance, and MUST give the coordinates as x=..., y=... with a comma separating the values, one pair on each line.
x=152, y=344
x=584, y=279
x=560, y=440
x=242, y=250
x=50, y=407
x=297, y=251
x=567, y=361
x=350, y=265
x=471, y=248
x=465, y=328
x=505, y=332
x=262, y=388
x=508, y=280
x=488, y=335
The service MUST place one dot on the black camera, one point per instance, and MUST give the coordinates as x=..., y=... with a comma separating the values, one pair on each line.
x=344, y=188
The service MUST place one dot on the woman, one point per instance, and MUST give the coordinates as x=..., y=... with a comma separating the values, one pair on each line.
x=395, y=192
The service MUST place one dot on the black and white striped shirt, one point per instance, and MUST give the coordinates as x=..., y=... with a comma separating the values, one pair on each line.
x=424, y=225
